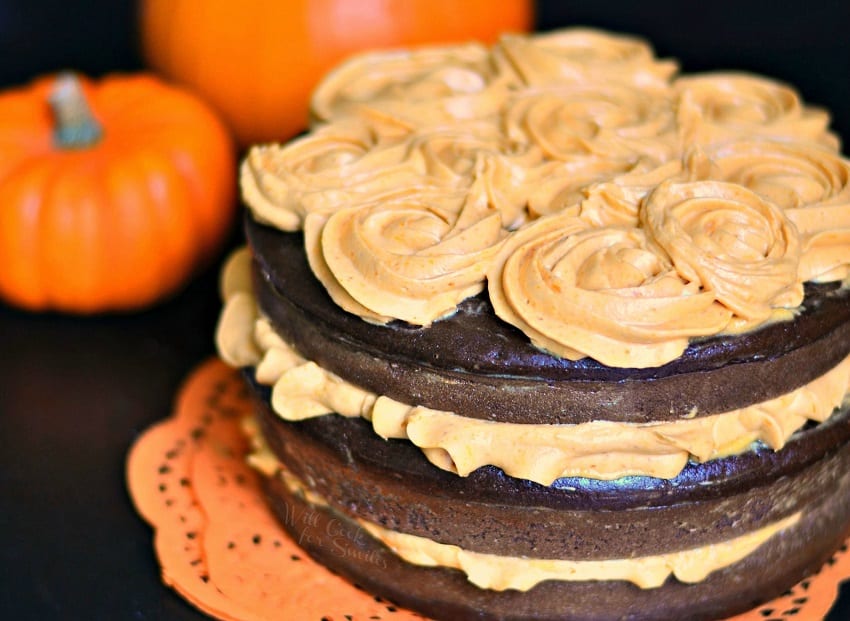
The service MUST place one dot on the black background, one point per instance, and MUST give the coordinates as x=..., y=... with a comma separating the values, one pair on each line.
x=75, y=392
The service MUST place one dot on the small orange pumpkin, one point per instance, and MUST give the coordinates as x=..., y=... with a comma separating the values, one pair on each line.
x=257, y=61
x=112, y=192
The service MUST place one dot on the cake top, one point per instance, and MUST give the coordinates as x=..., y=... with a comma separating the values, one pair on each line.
x=611, y=207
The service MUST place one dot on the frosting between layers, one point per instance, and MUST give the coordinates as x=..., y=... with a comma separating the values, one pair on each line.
x=499, y=573
x=541, y=453
x=427, y=174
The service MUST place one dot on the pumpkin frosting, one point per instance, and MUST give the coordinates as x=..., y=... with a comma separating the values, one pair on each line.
x=810, y=183
x=729, y=241
x=581, y=55
x=718, y=107
x=398, y=91
x=413, y=257
x=611, y=121
x=578, y=290
x=612, y=208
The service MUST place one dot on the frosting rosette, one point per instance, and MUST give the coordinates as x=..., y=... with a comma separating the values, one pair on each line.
x=717, y=107
x=396, y=91
x=729, y=241
x=474, y=154
x=580, y=55
x=603, y=192
x=331, y=167
x=607, y=293
x=616, y=201
x=451, y=155
x=555, y=186
x=413, y=257
x=609, y=121
x=811, y=183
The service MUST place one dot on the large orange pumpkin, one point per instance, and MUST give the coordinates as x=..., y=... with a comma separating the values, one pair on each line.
x=111, y=192
x=258, y=61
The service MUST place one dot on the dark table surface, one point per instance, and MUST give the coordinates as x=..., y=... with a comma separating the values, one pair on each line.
x=75, y=392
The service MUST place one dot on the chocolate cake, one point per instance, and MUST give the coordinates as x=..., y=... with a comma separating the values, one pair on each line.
x=548, y=330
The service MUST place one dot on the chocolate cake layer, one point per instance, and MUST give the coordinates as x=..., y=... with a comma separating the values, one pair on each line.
x=446, y=595
x=475, y=365
x=392, y=484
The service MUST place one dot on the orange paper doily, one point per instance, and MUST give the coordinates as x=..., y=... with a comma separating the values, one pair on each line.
x=219, y=546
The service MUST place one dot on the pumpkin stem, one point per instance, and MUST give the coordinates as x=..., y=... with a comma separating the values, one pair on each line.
x=75, y=126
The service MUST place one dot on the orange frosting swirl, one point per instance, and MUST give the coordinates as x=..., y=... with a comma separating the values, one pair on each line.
x=451, y=155
x=331, y=167
x=716, y=107
x=602, y=292
x=604, y=120
x=616, y=201
x=413, y=257
x=554, y=187
x=811, y=183
x=730, y=241
x=397, y=91
x=580, y=55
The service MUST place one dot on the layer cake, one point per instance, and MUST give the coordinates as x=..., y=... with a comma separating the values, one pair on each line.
x=549, y=330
